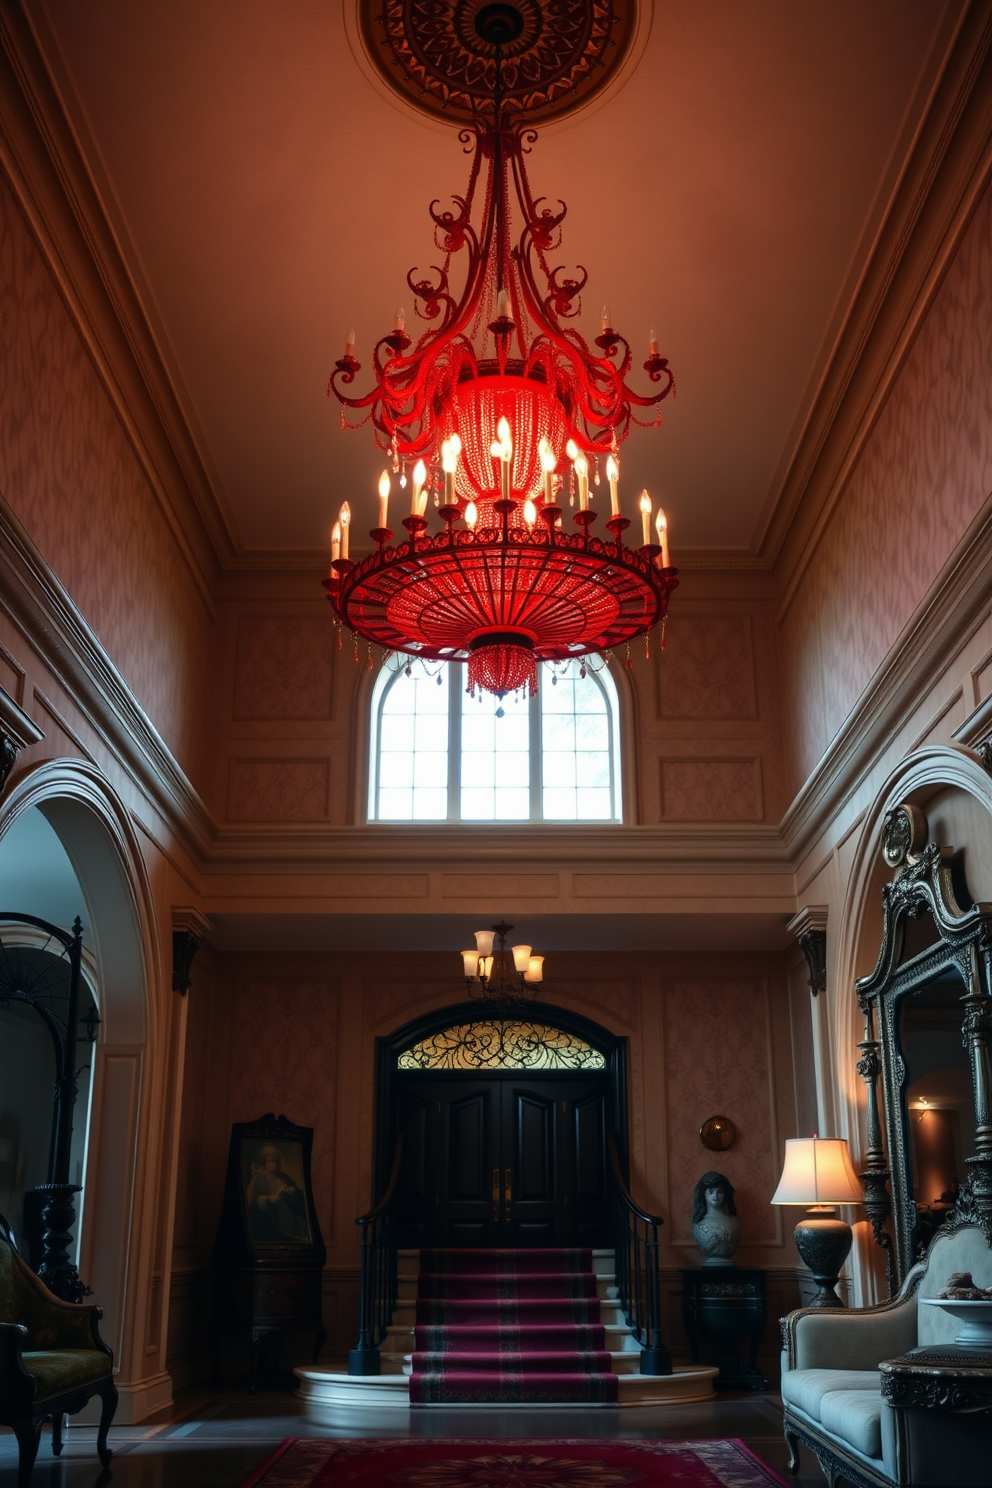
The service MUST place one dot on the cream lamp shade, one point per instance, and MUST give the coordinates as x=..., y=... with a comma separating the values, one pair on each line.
x=817, y=1171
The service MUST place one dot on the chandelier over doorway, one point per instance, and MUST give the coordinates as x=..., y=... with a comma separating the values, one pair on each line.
x=498, y=411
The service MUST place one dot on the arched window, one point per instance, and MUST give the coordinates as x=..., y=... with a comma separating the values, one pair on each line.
x=438, y=754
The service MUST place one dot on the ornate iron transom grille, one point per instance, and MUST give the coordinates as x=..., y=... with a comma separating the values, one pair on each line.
x=501, y=1044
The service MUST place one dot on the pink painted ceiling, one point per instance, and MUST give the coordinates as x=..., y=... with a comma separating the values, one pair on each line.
x=268, y=195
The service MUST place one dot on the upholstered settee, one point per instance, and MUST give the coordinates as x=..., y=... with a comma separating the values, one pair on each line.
x=923, y=1422
x=52, y=1360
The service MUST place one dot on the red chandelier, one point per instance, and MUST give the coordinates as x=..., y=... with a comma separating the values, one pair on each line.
x=498, y=407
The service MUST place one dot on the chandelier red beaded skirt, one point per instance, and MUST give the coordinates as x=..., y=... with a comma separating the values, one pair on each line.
x=503, y=598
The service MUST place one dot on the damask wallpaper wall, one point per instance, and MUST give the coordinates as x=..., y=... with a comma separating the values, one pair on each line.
x=924, y=474
x=69, y=472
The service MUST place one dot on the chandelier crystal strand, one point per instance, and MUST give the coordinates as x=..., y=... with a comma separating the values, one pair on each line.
x=499, y=404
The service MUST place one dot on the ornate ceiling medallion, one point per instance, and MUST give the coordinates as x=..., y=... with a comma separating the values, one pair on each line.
x=557, y=58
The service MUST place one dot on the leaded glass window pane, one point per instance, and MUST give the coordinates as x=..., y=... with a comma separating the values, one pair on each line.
x=575, y=730
x=498, y=1044
x=495, y=759
x=413, y=748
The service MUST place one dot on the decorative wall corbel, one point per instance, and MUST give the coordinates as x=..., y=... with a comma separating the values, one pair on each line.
x=17, y=732
x=809, y=927
x=188, y=928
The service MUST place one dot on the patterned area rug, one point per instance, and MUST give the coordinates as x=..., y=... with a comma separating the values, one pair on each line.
x=509, y=1327
x=584, y=1463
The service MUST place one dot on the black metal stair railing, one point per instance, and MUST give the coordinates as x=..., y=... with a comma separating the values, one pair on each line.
x=378, y=1284
x=635, y=1241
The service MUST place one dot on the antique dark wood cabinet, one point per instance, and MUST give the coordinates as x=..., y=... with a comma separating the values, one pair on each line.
x=724, y=1306
x=269, y=1255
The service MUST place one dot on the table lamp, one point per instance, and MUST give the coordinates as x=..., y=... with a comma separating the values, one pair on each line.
x=818, y=1172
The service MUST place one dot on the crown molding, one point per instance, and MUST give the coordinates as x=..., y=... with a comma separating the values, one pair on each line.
x=44, y=612
x=310, y=846
x=940, y=186
x=44, y=166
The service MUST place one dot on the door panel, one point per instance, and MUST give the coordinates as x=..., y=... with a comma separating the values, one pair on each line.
x=586, y=1117
x=470, y=1152
x=530, y=1143
x=503, y=1160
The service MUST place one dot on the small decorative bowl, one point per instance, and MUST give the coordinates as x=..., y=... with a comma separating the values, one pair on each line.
x=976, y=1317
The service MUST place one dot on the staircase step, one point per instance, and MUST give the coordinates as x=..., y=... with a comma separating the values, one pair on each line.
x=454, y=1346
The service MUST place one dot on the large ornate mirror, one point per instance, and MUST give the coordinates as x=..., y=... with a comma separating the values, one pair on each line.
x=928, y=1031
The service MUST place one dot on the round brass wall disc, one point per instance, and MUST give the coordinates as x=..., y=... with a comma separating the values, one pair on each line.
x=439, y=56
x=717, y=1133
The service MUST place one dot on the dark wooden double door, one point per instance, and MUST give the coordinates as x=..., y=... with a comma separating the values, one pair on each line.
x=503, y=1160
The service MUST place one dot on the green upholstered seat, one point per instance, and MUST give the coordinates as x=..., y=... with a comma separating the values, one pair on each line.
x=52, y=1360
x=59, y=1370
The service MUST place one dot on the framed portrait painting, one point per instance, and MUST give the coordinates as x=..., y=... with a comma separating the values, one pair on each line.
x=268, y=1201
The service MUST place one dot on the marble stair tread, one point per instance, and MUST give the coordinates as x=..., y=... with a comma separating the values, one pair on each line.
x=323, y=1388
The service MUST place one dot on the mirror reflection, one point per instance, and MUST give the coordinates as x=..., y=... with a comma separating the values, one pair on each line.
x=937, y=1098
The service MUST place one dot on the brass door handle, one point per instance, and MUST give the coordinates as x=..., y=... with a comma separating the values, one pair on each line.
x=508, y=1190
x=496, y=1194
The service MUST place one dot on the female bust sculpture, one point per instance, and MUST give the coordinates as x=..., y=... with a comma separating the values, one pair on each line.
x=715, y=1226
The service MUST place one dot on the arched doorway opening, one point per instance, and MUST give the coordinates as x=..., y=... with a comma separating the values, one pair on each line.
x=505, y=1121
x=39, y=997
x=85, y=841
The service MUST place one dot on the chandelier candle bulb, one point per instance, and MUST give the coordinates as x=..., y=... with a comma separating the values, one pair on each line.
x=613, y=476
x=419, y=476
x=530, y=513
x=548, y=464
x=471, y=514
x=661, y=527
x=653, y=343
x=335, y=542
x=535, y=969
x=400, y=324
x=349, y=344
x=383, y=497
x=582, y=473
x=604, y=319
x=344, y=517
x=484, y=942
x=521, y=957
x=503, y=305
x=646, y=517
x=471, y=963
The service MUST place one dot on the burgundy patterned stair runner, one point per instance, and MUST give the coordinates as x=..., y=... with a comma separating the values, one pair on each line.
x=510, y=1327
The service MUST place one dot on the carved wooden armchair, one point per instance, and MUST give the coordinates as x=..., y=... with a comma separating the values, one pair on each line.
x=52, y=1360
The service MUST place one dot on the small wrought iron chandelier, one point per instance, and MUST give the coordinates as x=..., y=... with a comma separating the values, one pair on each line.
x=501, y=977
x=499, y=407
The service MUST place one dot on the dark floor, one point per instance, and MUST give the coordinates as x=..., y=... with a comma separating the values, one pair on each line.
x=216, y=1437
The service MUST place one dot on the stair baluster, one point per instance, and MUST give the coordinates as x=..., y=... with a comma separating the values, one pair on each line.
x=635, y=1238
x=377, y=1285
